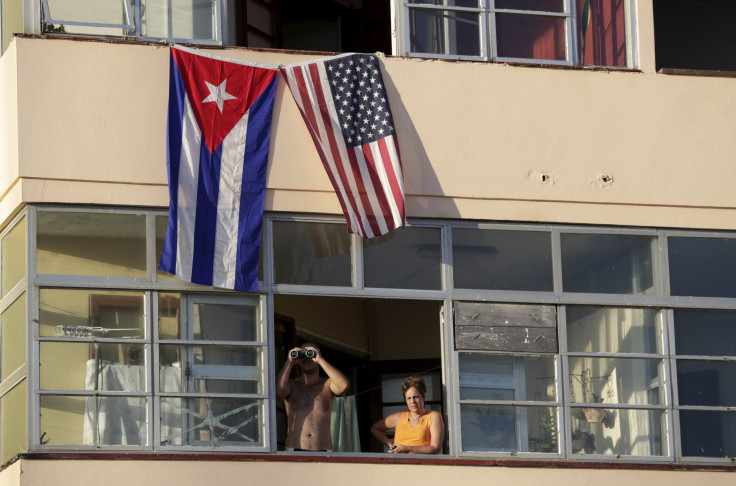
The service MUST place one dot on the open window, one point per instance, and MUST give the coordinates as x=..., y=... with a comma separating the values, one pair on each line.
x=376, y=342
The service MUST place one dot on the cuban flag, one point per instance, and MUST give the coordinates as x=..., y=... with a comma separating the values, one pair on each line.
x=219, y=126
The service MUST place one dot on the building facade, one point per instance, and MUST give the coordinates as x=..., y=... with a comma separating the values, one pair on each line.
x=564, y=283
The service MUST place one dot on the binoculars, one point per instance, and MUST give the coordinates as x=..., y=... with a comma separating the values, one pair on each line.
x=303, y=353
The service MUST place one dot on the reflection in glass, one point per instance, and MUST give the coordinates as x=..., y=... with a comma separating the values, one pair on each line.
x=501, y=428
x=104, y=244
x=13, y=337
x=618, y=431
x=705, y=332
x=444, y=32
x=506, y=377
x=501, y=259
x=407, y=258
x=531, y=37
x=615, y=264
x=214, y=369
x=93, y=366
x=14, y=422
x=613, y=330
x=311, y=253
x=179, y=19
x=91, y=313
x=707, y=383
x=537, y=5
x=448, y=3
x=91, y=11
x=102, y=420
x=616, y=380
x=707, y=433
x=211, y=421
x=225, y=322
x=169, y=316
x=702, y=267
x=13, y=256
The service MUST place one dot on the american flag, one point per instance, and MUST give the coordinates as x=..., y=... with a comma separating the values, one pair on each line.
x=344, y=104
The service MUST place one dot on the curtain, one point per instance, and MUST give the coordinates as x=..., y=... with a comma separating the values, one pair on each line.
x=344, y=426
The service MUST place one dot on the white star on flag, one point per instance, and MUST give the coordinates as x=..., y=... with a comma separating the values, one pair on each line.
x=218, y=95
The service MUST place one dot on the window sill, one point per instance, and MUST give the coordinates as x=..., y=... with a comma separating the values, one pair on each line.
x=372, y=458
x=698, y=72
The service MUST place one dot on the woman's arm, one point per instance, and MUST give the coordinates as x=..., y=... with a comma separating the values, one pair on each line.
x=379, y=428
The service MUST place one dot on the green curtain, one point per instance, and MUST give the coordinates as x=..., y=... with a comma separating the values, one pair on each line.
x=344, y=426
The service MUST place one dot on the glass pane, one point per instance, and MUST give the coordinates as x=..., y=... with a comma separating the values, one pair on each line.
x=617, y=380
x=444, y=32
x=211, y=421
x=93, y=366
x=702, y=267
x=448, y=3
x=91, y=313
x=409, y=258
x=169, y=316
x=214, y=369
x=105, y=244
x=311, y=253
x=707, y=383
x=91, y=11
x=14, y=422
x=90, y=420
x=604, y=42
x=505, y=377
x=509, y=429
x=179, y=19
x=707, y=434
x=613, y=264
x=538, y=5
x=618, y=431
x=161, y=222
x=14, y=330
x=225, y=322
x=707, y=333
x=531, y=37
x=11, y=21
x=613, y=330
x=13, y=259
x=502, y=260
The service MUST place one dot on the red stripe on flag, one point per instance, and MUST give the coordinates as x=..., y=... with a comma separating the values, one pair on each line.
x=314, y=78
x=389, y=164
x=378, y=188
x=307, y=112
x=370, y=214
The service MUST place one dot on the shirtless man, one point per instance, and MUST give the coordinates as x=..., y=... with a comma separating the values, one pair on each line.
x=309, y=400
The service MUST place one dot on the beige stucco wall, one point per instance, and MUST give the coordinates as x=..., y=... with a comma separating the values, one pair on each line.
x=125, y=473
x=623, y=148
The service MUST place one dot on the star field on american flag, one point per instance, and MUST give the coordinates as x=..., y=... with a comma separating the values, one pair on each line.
x=360, y=99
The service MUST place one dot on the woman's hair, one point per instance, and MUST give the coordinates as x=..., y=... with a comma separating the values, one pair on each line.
x=416, y=382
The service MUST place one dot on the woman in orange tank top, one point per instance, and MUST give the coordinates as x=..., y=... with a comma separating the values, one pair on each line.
x=417, y=431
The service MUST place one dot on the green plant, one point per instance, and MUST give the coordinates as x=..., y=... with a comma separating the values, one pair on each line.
x=547, y=442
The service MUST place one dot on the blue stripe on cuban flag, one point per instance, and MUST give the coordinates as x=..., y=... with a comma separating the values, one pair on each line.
x=216, y=209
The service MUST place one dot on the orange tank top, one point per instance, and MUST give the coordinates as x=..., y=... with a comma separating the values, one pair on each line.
x=407, y=435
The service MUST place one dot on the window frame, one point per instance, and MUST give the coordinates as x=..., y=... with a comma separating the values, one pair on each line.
x=133, y=9
x=488, y=41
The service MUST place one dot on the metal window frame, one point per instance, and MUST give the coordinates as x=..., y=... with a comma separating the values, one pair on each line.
x=149, y=286
x=488, y=42
x=133, y=13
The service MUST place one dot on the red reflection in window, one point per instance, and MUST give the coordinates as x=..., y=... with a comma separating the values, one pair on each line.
x=530, y=37
x=604, y=43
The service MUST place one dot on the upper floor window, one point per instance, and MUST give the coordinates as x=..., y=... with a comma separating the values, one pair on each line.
x=573, y=32
x=173, y=20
